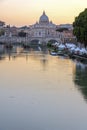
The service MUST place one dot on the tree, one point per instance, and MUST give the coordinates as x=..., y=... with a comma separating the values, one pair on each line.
x=2, y=23
x=80, y=27
x=22, y=34
x=2, y=32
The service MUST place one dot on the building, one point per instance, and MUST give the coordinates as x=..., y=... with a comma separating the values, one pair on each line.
x=44, y=30
x=67, y=26
x=67, y=32
x=69, y=37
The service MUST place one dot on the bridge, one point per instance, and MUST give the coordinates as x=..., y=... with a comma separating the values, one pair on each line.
x=29, y=40
x=45, y=40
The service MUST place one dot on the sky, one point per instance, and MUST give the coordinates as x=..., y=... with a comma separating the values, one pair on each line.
x=27, y=12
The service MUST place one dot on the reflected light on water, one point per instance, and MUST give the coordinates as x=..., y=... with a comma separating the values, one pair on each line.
x=38, y=91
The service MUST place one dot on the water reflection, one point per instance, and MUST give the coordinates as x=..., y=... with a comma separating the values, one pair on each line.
x=36, y=52
x=37, y=92
x=18, y=51
x=80, y=78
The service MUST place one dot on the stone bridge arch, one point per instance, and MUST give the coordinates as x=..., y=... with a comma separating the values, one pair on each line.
x=53, y=40
x=35, y=41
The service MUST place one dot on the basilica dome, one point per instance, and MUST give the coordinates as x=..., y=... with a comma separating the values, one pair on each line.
x=44, y=19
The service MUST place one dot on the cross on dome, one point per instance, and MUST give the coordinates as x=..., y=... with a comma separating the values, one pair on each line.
x=43, y=12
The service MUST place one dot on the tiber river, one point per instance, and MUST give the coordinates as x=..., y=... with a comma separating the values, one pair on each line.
x=39, y=91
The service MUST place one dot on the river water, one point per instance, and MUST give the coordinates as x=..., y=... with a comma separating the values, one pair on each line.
x=39, y=91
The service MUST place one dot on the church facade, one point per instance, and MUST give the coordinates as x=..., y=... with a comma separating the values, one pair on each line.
x=44, y=30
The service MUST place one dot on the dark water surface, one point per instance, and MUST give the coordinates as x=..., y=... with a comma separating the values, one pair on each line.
x=42, y=92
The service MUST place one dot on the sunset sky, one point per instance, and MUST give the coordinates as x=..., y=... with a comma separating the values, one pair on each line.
x=26, y=12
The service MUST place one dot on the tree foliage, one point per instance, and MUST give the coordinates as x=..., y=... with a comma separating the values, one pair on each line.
x=22, y=34
x=80, y=27
x=2, y=32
